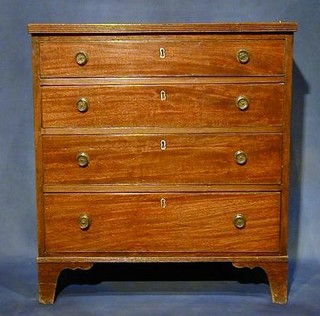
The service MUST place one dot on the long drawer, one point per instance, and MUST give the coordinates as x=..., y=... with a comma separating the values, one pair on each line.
x=219, y=222
x=158, y=56
x=183, y=105
x=163, y=159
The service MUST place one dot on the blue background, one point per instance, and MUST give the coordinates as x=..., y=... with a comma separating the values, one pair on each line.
x=152, y=289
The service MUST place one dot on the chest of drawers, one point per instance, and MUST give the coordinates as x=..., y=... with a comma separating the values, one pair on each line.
x=162, y=143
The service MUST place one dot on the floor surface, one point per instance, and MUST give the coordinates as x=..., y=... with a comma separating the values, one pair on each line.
x=155, y=289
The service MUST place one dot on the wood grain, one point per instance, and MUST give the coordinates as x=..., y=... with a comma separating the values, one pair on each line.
x=128, y=174
x=48, y=273
x=70, y=82
x=189, y=222
x=38, y=143
x=277, y=273
x=138, y=257
x=158, y=130
x=286, y=148
x=198, y=106
x=119, y=58
x=189, y=159
x=97, y=38
x=117, y=28
x=149, y=188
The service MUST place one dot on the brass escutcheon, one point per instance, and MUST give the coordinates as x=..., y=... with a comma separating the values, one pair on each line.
x=163, y=144
x=163, y=202
x=163, y=95
x=162, y=53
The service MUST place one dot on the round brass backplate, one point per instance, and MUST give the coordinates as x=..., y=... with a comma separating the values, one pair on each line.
x=239, y=221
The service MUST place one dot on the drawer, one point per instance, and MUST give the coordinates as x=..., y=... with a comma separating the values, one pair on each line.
x=162, y=56
x=163, y=159
x=183, y=105
x=162, y=222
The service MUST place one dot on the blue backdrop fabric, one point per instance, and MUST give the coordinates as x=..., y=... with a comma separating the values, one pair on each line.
x=152, y=289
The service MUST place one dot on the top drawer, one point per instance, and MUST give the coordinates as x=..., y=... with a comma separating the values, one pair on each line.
x=162, y=56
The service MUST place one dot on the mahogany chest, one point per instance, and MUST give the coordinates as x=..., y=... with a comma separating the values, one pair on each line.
x=162, y=143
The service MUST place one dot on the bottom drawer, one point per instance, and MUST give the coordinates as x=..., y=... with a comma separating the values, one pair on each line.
x=202, y=222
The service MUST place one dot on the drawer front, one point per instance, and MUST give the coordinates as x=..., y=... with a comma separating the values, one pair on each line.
x=163, y=159
x=161, y=222
x=184, y=105
x=162, y=56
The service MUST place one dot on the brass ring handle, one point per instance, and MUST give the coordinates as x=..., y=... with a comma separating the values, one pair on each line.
x=81, y=58
x=242, y=102
x=243, y=56
x=83, y=105
x=239, y=221
x=240, y=157
x=84, y=221
x=83, y=159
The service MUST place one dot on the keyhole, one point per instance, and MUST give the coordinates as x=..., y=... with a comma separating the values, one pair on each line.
x=163, y=144
x=162, y=53
x=163, y=95
x=163, y=202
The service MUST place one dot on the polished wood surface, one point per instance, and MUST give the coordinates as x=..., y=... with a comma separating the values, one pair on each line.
x=138, y=222
x=136, y=257
x=69, y=82
x=151, y=188
x=277, y=273
x=205, y=105
x=48, y=274
x=139, y=58
x=286, y=147
x=202, y=159
x=128, y=173
x=158, y=130
x=273, y=27
x=38, y=144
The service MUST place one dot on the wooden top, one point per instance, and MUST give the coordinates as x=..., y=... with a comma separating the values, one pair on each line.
x=273, y=27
